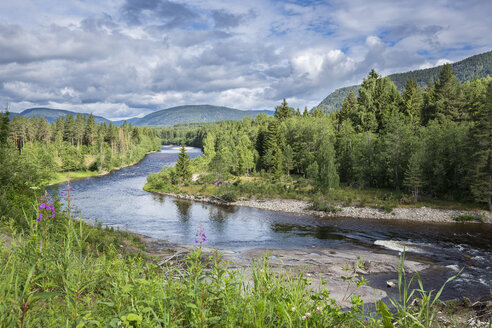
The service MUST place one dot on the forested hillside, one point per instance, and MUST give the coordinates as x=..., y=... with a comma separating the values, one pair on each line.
x=191, y=114
x=51, y=114
x=433, y=142
x=465, y=70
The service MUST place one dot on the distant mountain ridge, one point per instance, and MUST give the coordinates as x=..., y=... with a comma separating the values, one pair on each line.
x=51, y=114
x=164, y=117
x=195, y=114
x=465, y=70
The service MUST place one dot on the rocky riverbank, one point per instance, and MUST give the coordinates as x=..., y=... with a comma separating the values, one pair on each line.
x=422, y=214
x=337, y=271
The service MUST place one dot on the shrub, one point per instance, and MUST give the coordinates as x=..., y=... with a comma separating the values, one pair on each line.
x=229, y=197
x=468, y=217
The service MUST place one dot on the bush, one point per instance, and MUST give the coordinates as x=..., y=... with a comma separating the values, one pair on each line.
x=229, y=197
x=321, y=204
x=468, y=217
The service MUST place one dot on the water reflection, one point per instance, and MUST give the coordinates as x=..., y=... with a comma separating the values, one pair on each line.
x=183, y=209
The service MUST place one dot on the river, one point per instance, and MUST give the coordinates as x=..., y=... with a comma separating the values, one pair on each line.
x=117, y=199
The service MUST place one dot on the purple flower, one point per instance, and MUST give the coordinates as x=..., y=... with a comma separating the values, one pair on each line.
x=46, y=207
x=200, y=236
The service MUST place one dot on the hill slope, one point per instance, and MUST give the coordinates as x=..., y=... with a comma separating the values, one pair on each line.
x=195, y=113
x=51, y=114
x=465, y=70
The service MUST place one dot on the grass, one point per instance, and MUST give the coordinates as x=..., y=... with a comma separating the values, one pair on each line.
x=468, y=218
x=60, y=177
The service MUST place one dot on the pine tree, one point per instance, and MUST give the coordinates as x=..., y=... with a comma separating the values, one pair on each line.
x=481, y=185
x=412, y=100
x=447, y=94
x=272, y=158
x=318, y=112
x=429, y=104
x=90, y=130
x=283, y=111
x=349, y=109
x=68, y=133
x=79, y=128
x=183, y=170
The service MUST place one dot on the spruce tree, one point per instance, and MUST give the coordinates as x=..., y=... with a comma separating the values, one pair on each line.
x=272, y=158
x=447, y=95
x=90, y=130
x=481, y=185
x=283, y=111
x=183, y=170
x=412, y=100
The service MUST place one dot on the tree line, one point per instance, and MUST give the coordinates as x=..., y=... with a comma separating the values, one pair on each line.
x=32, y=150
x=431, y=142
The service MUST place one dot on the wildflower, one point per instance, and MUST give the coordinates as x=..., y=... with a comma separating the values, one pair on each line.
x=200, y=236
x=308, y=315
x=293, y=309
x=45, y=207
x=319, y=309
x=303, y=317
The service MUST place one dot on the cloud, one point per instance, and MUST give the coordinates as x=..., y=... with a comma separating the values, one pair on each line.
x=125, y=58
x=224, y=19
x=165, y=14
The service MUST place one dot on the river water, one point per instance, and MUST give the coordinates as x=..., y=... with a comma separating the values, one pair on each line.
x=117, y=199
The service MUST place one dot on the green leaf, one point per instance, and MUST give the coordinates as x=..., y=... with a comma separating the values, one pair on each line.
x=385, y=312
x=45, y=295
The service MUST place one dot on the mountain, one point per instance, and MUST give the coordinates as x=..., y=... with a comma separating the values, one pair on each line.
x=51, y=114
x=128, y=121
x=196, y=113
x=465, y=70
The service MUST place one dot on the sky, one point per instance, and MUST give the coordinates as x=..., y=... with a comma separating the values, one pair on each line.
x=127, y=58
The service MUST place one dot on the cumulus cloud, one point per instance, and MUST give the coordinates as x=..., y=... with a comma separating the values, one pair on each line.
x=127, y=58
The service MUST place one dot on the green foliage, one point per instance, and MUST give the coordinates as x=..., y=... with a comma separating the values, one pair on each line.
x=283, y=111
x=183, y=170
x=229, y=197
x=327, y=177
x=320, y=203
x=468, y=218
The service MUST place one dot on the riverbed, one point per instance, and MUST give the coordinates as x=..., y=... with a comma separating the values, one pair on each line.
x=118, y=200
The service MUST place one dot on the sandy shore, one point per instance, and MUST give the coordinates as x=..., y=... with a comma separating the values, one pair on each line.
x=421, y=214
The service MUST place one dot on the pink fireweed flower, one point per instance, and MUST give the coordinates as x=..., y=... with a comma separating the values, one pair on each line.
x=200, y=236
x=46, y=207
